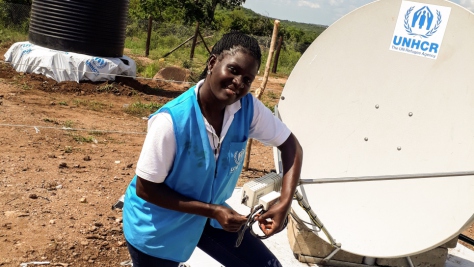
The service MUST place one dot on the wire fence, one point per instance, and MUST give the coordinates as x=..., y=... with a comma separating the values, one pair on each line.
x=14, y=15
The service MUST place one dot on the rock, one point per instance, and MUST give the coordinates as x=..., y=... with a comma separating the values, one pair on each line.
x=52, y=222
x=33, y=196
x=83, y=200
x=173, y=74
x=115, y=231
x=62, y=165
x=87, y=158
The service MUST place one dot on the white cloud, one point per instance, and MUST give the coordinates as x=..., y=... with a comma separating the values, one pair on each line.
x=469, y=4
x=308, y=4
x=336, y=2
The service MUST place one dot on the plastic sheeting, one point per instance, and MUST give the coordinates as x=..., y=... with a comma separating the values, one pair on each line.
x=67, y=66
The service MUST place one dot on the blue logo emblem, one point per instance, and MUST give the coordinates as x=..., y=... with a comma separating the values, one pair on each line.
x=95, y=64
x=25, y=49
x=100, y=63
x=422, y=22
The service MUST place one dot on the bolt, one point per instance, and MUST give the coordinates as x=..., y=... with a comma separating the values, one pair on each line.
x=282, y=98
x=410, y=114
x=376, y=106
x=366, y=139
x=399, y=148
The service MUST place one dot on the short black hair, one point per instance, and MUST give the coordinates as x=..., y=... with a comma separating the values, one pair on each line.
x=233, y=42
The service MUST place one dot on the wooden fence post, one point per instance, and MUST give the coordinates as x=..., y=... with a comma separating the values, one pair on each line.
x=191, y=56
x=261, y=89
x=148, y=38
x=277, y=55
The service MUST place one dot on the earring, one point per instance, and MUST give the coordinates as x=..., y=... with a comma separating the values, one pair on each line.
x=208, y=72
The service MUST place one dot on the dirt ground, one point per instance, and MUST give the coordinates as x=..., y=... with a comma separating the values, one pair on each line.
x=57, y=185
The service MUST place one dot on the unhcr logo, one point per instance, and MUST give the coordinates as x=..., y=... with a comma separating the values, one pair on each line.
x=421, y=20
x=95, y=64
x=420, y=29
x=238, y=158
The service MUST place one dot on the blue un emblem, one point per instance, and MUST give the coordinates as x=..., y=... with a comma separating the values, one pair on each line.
x=420, y=23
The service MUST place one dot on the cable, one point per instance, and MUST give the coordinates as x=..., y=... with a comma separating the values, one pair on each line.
x=259, y=210
x=305, y=222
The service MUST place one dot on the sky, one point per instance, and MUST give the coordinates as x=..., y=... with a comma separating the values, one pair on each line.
x=324, y=12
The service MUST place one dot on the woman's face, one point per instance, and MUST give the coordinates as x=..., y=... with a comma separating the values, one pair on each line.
x=231, y=76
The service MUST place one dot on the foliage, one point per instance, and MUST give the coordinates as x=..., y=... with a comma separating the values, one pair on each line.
x=186, y=11
x=15, y=14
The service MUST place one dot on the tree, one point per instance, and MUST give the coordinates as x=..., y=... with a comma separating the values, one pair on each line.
x=15, y=13
x=188, y=11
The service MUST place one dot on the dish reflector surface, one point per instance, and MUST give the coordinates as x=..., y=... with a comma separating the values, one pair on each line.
x=363, y=103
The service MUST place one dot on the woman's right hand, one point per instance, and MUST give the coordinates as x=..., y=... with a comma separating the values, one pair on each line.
x=229, y=219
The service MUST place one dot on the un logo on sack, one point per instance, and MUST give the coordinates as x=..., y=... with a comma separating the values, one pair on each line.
x=421, y=22
x=100, y=63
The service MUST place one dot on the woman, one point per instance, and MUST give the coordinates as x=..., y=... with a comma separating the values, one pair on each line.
x=191, y=160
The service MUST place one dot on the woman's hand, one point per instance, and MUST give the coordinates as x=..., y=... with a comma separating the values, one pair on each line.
x=229, y=219
x=273, y=220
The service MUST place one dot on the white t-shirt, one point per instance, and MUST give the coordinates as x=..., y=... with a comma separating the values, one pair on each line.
x=159, y=148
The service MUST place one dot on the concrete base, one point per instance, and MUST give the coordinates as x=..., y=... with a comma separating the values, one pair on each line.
x=308, y=247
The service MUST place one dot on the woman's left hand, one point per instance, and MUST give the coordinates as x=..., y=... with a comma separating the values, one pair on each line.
x=273, y=220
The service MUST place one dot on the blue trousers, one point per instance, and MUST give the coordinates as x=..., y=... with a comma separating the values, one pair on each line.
x=220, y=245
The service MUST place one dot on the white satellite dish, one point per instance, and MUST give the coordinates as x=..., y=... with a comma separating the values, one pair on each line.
x=385, y=97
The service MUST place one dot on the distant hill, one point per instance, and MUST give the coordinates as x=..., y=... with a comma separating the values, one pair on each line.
x=308, y=27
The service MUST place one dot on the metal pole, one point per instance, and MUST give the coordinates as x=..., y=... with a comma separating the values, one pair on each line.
x=385, y=177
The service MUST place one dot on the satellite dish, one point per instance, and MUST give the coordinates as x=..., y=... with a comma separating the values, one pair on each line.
x=383, y=105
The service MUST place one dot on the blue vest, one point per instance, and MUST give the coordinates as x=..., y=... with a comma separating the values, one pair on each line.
x=173, y=235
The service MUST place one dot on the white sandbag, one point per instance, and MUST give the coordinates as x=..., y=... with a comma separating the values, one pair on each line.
x=67, y=66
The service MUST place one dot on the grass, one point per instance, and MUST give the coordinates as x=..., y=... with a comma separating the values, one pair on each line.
x=140, y=109
x=91, y=105
x=84, y=139
x=110, y=87
x=68, y=124
x=10, y=36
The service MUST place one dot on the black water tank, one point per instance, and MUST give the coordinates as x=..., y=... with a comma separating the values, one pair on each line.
x=91, y=27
